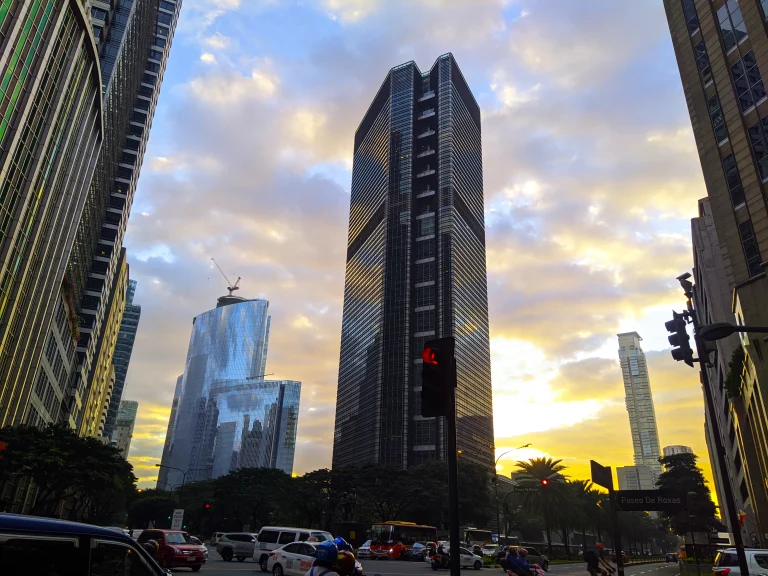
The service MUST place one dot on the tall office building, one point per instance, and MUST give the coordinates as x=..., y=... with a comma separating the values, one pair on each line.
x=636, y=478
x=123, y=430
x=136, y=55
x=722, y=54
x=639, y=402
x=677, y=449
x=122, y=356
x=415, y=271
x=712, y=298
x=225, y=415
x=51, y=131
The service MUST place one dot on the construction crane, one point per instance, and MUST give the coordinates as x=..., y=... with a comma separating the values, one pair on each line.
x=231, y=287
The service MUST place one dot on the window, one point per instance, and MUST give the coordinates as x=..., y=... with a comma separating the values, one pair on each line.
x=425, y=296
x=732, y=25
x=751, y=250
x=761, y=559
x=733, y=181
x=41, y=557
x=737, y=461
x=726, y=559
x=306, y=549
x=425, y=272
x=702, y=63
x=718, y=122
x=303, y=536
x=424, y=433
x=691, y=18
x=749, y=84
x=764, y=6
x=743, y=490
x=425, y=249
x=758, y=140
x=426, y=226
x=108, y=559
x=268, y=536
x=176, y=538
x=286, y=537
x=292, y=548
x=425, y=321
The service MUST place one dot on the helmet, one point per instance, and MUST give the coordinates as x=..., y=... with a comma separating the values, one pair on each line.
x=522, y=551
x=327, y=553
x=599, y=545
x=342, y=544
x=345, y=564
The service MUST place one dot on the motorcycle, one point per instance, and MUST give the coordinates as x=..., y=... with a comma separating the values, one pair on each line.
x=441, y=561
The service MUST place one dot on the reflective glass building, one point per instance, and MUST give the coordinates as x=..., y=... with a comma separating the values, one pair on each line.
x=415, y=271
x=225, y=415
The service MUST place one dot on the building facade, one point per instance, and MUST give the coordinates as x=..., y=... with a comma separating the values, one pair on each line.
x=51, y=131
x=122, y=355
x=415, y=271
x=123, y=432
x=225, y=415
x=677, y=449
x=721, y=50
x=639, y=402
x=712, y=299
x=636, y=478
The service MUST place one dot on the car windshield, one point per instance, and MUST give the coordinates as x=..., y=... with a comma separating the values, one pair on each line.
x=367, y=544
x=726, y=559
x=419, y=545
x=322, y=536
x=176, y=538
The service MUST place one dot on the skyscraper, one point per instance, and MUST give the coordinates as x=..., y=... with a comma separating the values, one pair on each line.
x=122, y=356
x=639, y=402
x=51, y=130
x=677, y=449
x=636, y=478
x=123, y=432
x=415, y=271
x=225, y=415
x=721, y=54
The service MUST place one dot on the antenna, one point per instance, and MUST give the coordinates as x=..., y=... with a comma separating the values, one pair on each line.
x=231, y=287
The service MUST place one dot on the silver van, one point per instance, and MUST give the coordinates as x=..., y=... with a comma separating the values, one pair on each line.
x=274, y=537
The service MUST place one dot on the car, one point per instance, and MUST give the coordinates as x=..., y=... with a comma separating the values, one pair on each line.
x=238, y=545
x=415, y=552
x=295, y=559
x=216, y=537
x=173, y=549
x=273, y=537
x=33, y=545
x=727, y=563
x=197, y=542
x=364, y=551
x=492, y=550
x=470, y=560
x=671, y=557
x=536, y=557
x=119, y=529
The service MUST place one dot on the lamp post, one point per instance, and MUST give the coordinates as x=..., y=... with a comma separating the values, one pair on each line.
x=183, y=476
x=496, y=482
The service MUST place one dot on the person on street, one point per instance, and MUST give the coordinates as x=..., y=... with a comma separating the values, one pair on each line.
x=342, y=544
x=601, y=555
x=596, y=564
x=521, y=563
x=345, y=563
x=326, y=556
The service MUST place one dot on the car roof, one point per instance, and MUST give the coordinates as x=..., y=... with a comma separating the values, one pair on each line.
x=294, y=529
x=23, y=523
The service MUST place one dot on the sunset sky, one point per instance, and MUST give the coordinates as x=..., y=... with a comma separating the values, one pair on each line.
x=591, y=178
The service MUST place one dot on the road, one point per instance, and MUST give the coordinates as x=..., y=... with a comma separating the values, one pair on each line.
x=217, y=567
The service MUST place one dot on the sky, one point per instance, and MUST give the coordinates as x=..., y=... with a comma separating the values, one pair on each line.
x=591, y=179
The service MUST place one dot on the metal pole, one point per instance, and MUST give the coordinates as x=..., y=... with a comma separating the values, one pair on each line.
x=498, y=517
x=616, y=533
x=725, y=478
x=453, y=480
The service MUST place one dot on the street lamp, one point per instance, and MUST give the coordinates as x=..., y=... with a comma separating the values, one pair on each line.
x=183, y=476
x=496, y=478
x=721, y=330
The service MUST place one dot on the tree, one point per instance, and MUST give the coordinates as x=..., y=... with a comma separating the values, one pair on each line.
x=543, y=499
x=587, y=502
x=151, y=506
x=684, y=477
x=251, y=496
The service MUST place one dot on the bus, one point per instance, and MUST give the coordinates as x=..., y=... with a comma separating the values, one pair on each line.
x=391, y=539
x=476, y=536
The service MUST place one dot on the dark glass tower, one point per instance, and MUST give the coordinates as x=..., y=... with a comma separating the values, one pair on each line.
x=415, y=271
x=122, y=357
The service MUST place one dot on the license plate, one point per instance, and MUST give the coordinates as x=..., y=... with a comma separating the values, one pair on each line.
x=191, y=559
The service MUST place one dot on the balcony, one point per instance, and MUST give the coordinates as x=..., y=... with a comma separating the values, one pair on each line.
x=426, y=151
x=425, y=172
x=429, y=132
x=426, y=114
x=427, y=96
x=427, y=191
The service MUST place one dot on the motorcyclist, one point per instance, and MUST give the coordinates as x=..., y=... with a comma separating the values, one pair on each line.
x=326, y=556
x=342, y=544
x=441, y=556
x=510, y=559
x=345, y=563
x=521, y=564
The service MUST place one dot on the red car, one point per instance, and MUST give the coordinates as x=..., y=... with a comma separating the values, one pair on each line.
x=174, y=549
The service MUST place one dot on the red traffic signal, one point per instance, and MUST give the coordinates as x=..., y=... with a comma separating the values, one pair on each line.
x=3, y=448
x=207, y=506
x=544, y=482
x=429, y=356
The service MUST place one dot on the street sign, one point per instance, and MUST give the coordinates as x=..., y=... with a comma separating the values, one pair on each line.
x=178, y=519
x=601, y=475
x=649, y=500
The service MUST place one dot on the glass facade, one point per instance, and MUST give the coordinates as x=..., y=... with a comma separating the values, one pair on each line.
x=415, y=271
x=51, y=130
x=122, y=356
x=226, y=415
x=123, y=429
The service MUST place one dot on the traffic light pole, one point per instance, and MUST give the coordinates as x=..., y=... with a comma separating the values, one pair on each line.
x=616, y=532
x=725, y=478
x=453, y=479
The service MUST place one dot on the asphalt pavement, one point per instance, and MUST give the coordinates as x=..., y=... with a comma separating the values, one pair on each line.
x=217, y=567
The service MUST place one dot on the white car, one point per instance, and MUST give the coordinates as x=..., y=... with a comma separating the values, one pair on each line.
x=469, y=560
x=199, y=542
x=365, y=550
x=294, y=559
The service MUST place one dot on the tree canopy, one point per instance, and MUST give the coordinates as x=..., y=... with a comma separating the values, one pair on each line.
x=683, y=476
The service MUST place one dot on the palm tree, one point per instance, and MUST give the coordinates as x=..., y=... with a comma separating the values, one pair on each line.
x=547, y=490
x=588, y=503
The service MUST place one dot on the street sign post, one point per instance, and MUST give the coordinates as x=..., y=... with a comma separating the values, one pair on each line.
x=649, y=500
x=177, y=520
x=601, y=475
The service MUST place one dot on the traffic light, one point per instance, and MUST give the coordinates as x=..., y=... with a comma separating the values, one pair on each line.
x=206, y=508
x=544, y=482
x=438, y=377
x=679, y=339
x=3, y=448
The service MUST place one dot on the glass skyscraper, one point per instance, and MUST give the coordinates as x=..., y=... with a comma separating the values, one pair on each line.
x=415, y=271
x=122, y=356
x=51, y=131
x=225, y=415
